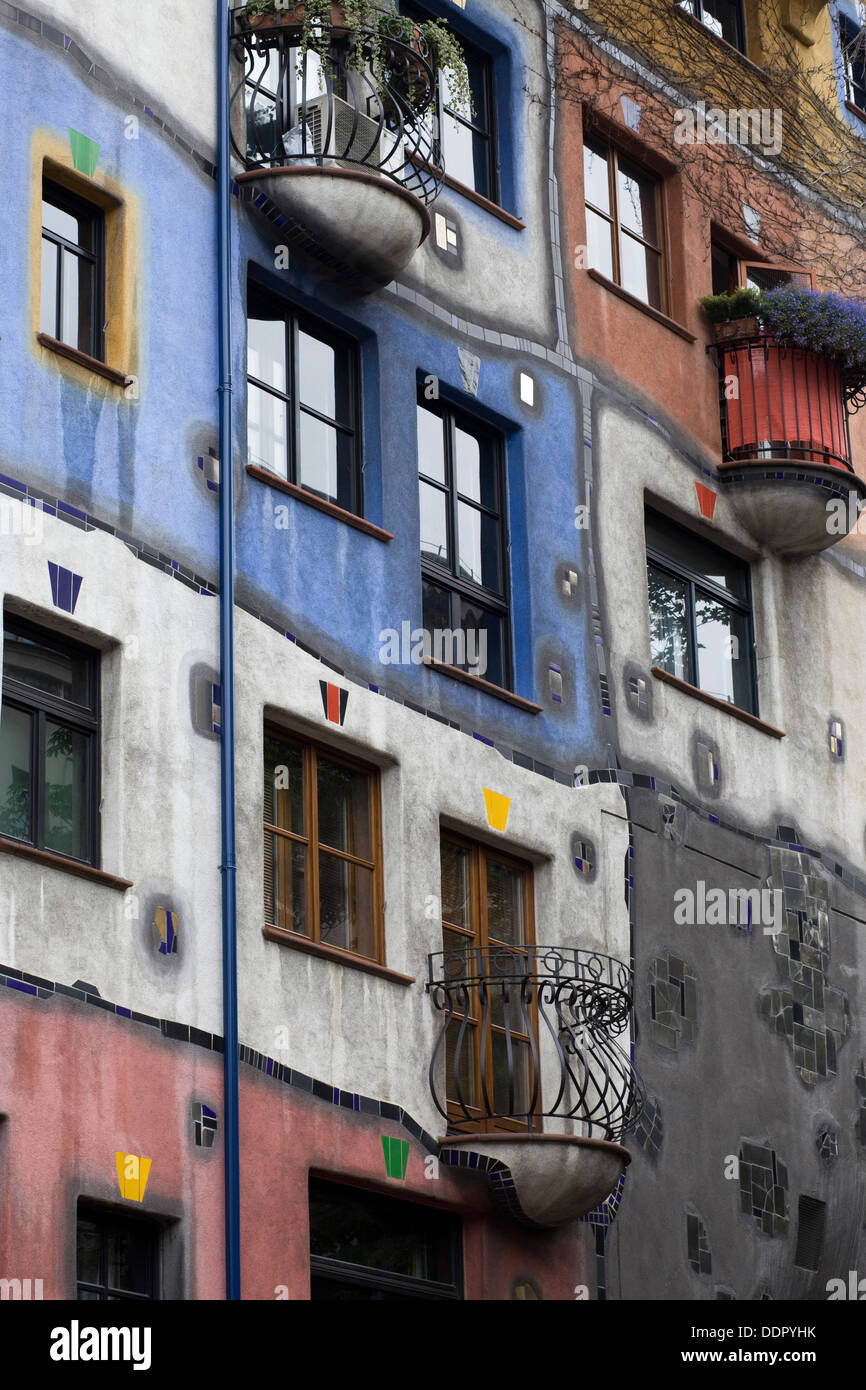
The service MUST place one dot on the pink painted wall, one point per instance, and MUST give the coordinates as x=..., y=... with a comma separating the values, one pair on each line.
x=77, y=1084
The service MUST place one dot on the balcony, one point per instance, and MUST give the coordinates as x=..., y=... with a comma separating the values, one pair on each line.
x=785, y=440
x=529, y=1034
x=340, y=140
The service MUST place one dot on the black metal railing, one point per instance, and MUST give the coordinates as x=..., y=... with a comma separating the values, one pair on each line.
x=366, y=102
x=783, y=402
x=533, y=1031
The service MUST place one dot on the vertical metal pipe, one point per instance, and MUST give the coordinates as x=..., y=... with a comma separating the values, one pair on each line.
x=227, y=741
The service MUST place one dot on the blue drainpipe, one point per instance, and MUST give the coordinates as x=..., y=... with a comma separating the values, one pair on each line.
x=227, y=671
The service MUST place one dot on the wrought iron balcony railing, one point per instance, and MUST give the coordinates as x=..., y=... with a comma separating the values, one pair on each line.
x=782, y=402
x=533, y=1031
x=365, y=104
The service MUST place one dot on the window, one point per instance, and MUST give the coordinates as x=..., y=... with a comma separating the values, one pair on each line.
x=624, y=222
x=303, y=401
x=726, y=269
x=364, y=1246
x=49, y=742
x=700, y=613
x=759, y=275
x=468, y=142
x=463, y=550
x=73, y=271
x=117, y=1255
x=323, y=856
x=851, y=37
x=277, y=88
x=724, y=17
x=486, y=903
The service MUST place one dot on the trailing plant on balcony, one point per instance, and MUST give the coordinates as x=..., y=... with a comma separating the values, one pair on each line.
x=819, y=321
x=370, y=26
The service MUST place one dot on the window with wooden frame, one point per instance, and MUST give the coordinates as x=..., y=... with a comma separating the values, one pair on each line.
x=463, y=538
x=765, y=275
x=624, y=222
x=723, y=17
x=49, y=742
x=72, y=302
x=852, y=38
x=117, y=1255
x=322, y=846
x=487, y=915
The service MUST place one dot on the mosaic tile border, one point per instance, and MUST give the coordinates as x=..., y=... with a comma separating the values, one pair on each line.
x=497, y=1174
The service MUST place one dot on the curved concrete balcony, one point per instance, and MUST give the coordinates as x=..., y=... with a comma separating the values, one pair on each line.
x=786, y=448
x=341, y=143
x=532, y=1032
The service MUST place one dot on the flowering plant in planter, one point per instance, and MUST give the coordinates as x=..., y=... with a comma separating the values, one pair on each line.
x=819, y=321
x=370, y=26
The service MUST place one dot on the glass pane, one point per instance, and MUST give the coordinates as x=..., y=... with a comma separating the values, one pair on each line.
x=60, y=674
x=262, y=134
x=476, y=69
x=465, y=154
x=344, y=809
x=327, y=462
x=267, y=431
x=505, y=914
x=434, y=526
x=599, y=244
x=637, y=202
x=461, y=1064
x=460, y=965
x=485, y=642
x=346, y=911
x=63, y=223
x=76, y=302
x=88, y=1252
x=324, y=378
x=16, y=729
x=454, y=861
x=694, y=553
x=266, y=350
x=66, y=778
x=284, y=785
x=509, y=1005
x=48, y=298
x=510, y=1084
x=377, y=1232
x=757, y=278
x=286, y=884
x=641, y=271
x=431, y=445
x=722, y=16
x=668, y=619
x=129, y=1254
x=596, y=184
x=87, y=1296
x=437, y=608
x=479, y=547
x=724, y=654
x=475, y=462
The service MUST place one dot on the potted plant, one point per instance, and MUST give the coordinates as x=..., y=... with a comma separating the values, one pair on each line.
x=733, y=315
x=371, y=29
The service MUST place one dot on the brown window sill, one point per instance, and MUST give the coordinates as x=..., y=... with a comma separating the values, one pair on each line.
x=478, y=198
x=632, y=299
x=687, y=689
x=455, y=673
x=69, y=866
x=333, y=953
x=857, y=110
x=91, y=363
x=329, y=508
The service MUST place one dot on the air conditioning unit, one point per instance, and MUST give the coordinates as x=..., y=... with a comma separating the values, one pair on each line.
x=338, y=133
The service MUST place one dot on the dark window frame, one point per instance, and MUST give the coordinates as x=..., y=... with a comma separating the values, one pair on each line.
x=384, y=1282
x=296, y=320
x=40, y=706
x=477, y=935
x=854, y=89
x=67, y=201
x=449, y=579
x=599, y=144
x=310, y=750
x=473, y=52
x=696, y=9
x=670, y=565
x=104, y=1218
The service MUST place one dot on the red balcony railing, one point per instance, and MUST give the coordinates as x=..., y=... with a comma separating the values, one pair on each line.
x=779, y=401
